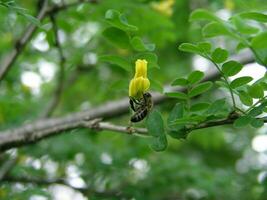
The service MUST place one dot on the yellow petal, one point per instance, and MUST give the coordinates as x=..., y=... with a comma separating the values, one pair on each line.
x=132, y=88
x=140, y=68
x=146, y=84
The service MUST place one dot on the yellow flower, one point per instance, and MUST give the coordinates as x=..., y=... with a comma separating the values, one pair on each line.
x=140, y=83
x=165, y=7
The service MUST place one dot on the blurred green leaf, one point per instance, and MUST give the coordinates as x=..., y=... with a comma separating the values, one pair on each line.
x=200, y=88
x=242, y=121
x=214, y=29
x=139, y=45
x=245, y=98
x=118, y=20
x=219, y=55
x=243, y=27
x=180, y=82
x=117, y=37
x=240, y=81
x=177, y=94
x=202, y=14
x=200, y=106
x=256, y=91
x=116, y=60
x=256, y=123
x=190, y=48
x=151, y=58
x=155, y=127
x=260, y=17
x=231, y=68
x=204, y=47
x=195, y=76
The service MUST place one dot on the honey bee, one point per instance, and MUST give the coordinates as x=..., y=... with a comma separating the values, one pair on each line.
x=141, y=107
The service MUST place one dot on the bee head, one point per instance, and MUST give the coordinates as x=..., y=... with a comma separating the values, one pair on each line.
x=147, y=95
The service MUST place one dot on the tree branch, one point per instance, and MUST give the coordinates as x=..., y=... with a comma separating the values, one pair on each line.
x=35, y=131
x=20, y=44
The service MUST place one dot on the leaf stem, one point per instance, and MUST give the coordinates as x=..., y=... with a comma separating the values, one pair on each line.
x=255, y=104
x=226, y=81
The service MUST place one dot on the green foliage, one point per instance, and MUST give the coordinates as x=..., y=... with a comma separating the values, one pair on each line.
x=116, y=19
x=139, y=45
x=155, y=127
x=231, y=68
x=203, y=128
x=219, y=55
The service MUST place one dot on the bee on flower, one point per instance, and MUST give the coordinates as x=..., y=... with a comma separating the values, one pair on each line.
x=140, y=100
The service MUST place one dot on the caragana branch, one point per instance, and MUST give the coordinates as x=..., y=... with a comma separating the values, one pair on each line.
x=37, y=130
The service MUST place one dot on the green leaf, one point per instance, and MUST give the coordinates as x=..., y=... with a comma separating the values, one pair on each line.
x=242, y=121
x=154, y=123
x=139, y=45
x=116, y=60
x=176, y=113
x=200, y=106
x=195, y=76
x=214, y=29
x=178, y=134
x=200, y=88
x=180, y=81
x=155, y=127
x=243, y=27
x=256, y=123
x=202, y=14
x=256, y=111
x=176, y=131
x=204, y=47
x=216, y=107
x=151, y=58
x=259, y=44
x=190, y=48
x=189, y=120
x=260, y=41
x=231, y=68
x=159, y=143
x=117, y=37
x=245, y=98
x=219, y=55
x=240, y=81
x=118, y=20
x=256, y=91
x=260, y=17
x=178, y=95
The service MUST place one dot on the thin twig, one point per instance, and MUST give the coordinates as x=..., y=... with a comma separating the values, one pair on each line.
x=61, y=74
x=21, y=43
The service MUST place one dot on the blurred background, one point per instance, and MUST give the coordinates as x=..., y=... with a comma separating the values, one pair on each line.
x=214, y=163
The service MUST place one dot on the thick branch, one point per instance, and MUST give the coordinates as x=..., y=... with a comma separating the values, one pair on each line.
x=40, y=129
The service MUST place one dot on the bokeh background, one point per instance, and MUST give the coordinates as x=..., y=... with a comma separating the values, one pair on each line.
x=214, y=163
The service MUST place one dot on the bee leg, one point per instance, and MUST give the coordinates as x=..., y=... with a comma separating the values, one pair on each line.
x=132, y=104
x=136, y=102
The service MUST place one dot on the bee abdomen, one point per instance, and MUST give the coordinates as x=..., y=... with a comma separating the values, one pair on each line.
x=138, y=116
